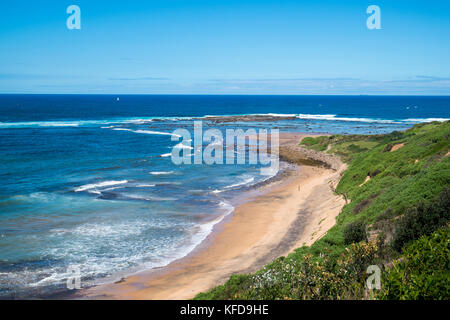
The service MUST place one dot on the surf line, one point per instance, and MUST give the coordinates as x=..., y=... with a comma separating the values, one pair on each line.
x=213, y=153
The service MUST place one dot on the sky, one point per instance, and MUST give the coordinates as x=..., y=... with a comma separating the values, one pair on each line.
x=225, y=47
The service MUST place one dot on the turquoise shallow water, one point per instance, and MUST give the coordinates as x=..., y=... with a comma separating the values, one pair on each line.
x=86, y=181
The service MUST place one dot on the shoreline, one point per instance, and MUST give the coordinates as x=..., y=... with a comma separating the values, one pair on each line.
x=297, y=211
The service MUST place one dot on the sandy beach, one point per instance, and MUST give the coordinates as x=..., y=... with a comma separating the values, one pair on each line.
x=293, y=212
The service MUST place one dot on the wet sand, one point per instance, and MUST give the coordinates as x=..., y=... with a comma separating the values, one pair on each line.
x=290, y=214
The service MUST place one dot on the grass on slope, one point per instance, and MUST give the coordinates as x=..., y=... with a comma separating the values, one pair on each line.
x=415, y=173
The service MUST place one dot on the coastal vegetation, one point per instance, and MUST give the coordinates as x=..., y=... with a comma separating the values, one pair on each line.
x=397, y=190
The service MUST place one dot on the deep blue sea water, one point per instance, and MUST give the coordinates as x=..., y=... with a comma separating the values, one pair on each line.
x=86, y=180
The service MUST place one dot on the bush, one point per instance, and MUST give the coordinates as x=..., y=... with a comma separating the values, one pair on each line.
x=423, y=273
x=355, y=232
x=422, y=220
x=309, y=141
x=353, y=148
x=327, y=278
x=318, y=143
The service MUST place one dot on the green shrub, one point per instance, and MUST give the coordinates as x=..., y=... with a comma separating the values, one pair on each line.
x=422, y=220
x=326, y=278
x=309, y=141
x=355, y=232
x=353, y=148
x=423, y=273
x=318, y=143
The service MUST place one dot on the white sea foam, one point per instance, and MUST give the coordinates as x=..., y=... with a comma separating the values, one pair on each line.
x=242, y=183
x=104, y=230
x=182, y=146
x=150, y=198
x=38, y=124
x=53, y=278
x=148, y=132
x=161, y=172
x=108, y=189
x=178, y=251
x=140, y=121
x=245, y=180
x=165, y=155
x=425, y=120
x=276, y=115
x=99, y=185
x=63, y=123
x=206, y=228
x=157, y=254
x=74, y=123
x=329, y=117
x=157, y=132
x=121, y=129
x=226, y=206
x=333, y=117
x=168, y=183
x=317, y=116
x=137, y=121
x=145, y=185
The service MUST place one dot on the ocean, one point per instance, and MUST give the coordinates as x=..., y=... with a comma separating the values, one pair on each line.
x=87, y=181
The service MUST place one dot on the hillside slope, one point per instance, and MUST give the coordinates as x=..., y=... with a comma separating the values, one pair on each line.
x=397, y=188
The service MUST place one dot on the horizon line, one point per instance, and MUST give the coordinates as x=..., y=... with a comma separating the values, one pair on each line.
x=229, y=94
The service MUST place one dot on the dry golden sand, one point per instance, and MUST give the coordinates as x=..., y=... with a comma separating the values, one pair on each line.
x=367, y=179
x=397, y=146
x=294, y=213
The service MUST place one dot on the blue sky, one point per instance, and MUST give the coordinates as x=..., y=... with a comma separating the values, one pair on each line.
x=225, y=47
